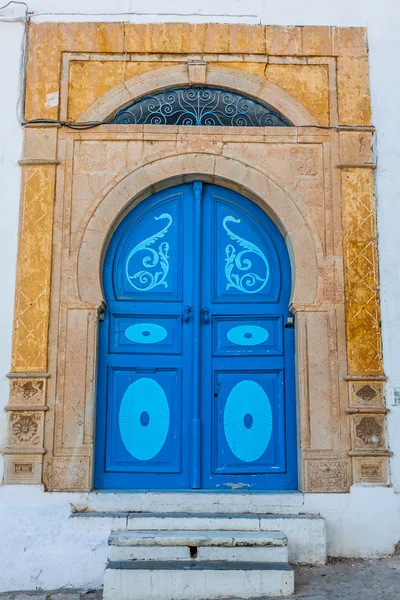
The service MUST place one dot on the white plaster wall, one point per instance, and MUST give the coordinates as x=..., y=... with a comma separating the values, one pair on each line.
x=10, y=176
x=39, y=548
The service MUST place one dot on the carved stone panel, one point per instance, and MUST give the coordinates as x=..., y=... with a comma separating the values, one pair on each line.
x=327, y=476
x=368, y=432
x=367, y=394
x=26, y=409
x=322, y=397
x=24, y=392
x=67, y=473
x=32, y=293
x=23, y=468
x=25, y=429
x=364, y=336
x=371, y=469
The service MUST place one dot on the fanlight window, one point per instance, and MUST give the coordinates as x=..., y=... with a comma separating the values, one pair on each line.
x=199, y=106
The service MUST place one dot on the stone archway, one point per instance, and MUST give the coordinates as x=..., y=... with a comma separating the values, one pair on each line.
x=81, y=292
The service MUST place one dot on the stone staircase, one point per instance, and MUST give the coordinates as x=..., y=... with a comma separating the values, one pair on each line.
x=194, y=556
x=183, y=565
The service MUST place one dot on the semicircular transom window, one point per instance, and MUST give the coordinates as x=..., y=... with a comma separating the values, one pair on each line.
x=199, y=106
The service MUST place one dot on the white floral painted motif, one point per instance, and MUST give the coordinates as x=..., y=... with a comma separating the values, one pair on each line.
x=249, y=282
x=144, y=280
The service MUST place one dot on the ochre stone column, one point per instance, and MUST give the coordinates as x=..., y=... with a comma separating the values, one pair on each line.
x=363, y=322
x=27, y=404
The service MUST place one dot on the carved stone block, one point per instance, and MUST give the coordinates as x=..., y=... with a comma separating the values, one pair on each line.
x=371, y=469
x=27, y=392
x=67, y=473
x=356, y=147
x=25, y=429
x=326, y=476
x=26, y=409
x=368, y=432
x=22, y=469
x=40, y=143
x=366, y=394
x=197, y=72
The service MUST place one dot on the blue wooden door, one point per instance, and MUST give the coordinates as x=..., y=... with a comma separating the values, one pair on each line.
x=196, y=382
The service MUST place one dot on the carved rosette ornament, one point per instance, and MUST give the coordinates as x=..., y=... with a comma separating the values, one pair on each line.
x=25, y=428
x=369, y=431
x=369, y=452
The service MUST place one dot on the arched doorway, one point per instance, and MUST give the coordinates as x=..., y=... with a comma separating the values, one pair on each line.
x=196, y=357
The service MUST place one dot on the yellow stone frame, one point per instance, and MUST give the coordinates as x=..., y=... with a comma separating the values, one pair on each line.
x=76, y=72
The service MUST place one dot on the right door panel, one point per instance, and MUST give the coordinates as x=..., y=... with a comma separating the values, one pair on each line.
x=247, y=381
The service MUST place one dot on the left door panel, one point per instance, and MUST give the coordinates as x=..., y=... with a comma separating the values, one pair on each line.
x=145, y=347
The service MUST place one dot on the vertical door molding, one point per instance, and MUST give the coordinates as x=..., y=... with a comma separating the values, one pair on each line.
x=321, y=399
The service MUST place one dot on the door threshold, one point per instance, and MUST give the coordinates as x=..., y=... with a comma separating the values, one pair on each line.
x=194, y=501
x=235, y=491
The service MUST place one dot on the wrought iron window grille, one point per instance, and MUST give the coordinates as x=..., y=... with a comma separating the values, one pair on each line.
x=199, y=106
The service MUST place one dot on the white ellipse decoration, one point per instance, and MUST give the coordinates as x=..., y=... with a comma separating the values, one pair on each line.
x=146, y=333
x=144, y=418
x=248, y=421
x=247, y=335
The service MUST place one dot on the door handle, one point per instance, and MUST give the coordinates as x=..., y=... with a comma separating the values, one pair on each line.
x=206, y=316
x=186, y=313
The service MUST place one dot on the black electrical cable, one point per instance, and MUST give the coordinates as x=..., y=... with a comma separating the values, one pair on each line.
x=14, y=2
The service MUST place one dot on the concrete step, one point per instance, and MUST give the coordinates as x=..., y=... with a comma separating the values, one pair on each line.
x=192, y=580
x=252, y=546
x=306, y=533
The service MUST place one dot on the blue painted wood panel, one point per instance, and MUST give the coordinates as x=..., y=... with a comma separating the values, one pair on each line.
x=254, y=335
x=146, y=347
x=196, y=366
x=248, y=398
x=142, y=334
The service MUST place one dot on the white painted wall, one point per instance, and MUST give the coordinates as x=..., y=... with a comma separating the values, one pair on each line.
x=34, y=525
x=10, y=185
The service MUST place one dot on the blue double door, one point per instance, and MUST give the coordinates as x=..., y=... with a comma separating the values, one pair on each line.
x=196, y=359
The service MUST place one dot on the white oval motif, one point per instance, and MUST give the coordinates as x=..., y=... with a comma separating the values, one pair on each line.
x=146, y=333
x=144, y=418
x=247, y=335
x=248, y=421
